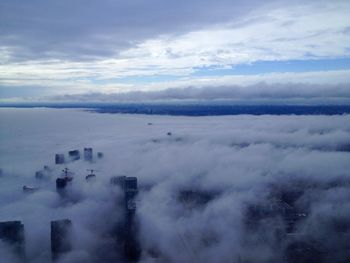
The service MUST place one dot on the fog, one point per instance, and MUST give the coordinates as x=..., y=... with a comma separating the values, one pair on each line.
x=233, y=162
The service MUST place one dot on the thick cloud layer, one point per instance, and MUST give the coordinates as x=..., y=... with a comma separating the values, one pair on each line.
x=230, y=163
x=74, y=30
x=71, y=47
x=93, y=29
x=259, y=93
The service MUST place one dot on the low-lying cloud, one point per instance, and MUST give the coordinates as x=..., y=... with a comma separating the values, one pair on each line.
x=195, y=184
x=256, y=93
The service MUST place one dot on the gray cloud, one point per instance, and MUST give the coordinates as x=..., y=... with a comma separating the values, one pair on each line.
x=260, y=92
x=92, y=29
x=100, y=45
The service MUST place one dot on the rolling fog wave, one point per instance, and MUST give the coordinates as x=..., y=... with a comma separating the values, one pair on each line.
x=211, y=189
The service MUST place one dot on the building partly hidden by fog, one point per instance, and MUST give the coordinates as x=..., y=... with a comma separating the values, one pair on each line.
x=123, y=232
x=127, y=228
x=242, y=189
x=12, y=236
x=59, y=158
x=74, y=155
x=61, y=231
x=88, y=154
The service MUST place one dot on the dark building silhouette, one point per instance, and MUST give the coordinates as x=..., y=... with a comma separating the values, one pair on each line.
x=127, y=230
x=43, y=174
x=131, y=183
x=39, y=174
x=131, y=246
x=12, y=233
x=125, y=182
x=61, y=183
x=304, y=251
x=59, y=158
x=88, y=154
x=74, y=155
x=91, y=175
x=60, y=238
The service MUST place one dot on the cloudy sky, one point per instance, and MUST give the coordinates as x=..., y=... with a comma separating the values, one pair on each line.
x=59, y=48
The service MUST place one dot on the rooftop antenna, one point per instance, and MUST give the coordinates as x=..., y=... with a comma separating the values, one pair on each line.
x=67, y=174
x=65, y=171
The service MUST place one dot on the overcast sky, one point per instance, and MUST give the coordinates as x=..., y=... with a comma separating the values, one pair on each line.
x=59, y=48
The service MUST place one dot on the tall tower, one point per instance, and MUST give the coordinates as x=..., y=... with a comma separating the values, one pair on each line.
x=12, y=233
x=60, y=238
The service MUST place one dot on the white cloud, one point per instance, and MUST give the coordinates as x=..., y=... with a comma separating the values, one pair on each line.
x=331, y=87
x=241, y=157
x=271, y=32
x=283, y=34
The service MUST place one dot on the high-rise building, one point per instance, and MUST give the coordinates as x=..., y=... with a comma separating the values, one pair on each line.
x=39, y=174
x=88, y=154
x=130, y=183
x=61, y=183
x=74, y=155
x=59, y=158
x=60, y=238
x=127, y=229
x=12, y=233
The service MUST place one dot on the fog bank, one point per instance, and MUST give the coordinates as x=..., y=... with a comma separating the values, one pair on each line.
x=199, y=178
